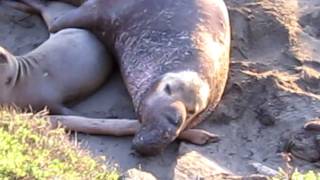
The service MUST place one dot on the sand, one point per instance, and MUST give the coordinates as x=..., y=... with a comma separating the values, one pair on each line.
x=273, y=89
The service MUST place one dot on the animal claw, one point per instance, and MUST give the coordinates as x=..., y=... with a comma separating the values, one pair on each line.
x=199, y=137
x=313, y=125
x=208, y=137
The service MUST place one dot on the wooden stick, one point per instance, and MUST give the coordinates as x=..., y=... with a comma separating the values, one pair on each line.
x=115, y=127
x=264, y=169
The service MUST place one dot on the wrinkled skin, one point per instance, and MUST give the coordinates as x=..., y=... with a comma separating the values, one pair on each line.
x=173, y=56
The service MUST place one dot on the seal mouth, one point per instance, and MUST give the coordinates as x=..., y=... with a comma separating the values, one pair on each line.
x=150, y=143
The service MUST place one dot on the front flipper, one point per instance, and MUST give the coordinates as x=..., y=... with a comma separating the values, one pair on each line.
x=37, y=5
x=198, y=136
x=62, y=110
x=85, y=16
x=18, y=6
x=313, y=125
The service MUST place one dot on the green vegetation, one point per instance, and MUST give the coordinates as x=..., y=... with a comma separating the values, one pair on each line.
x=296, y=175
x=30, y=150
x=311, y=175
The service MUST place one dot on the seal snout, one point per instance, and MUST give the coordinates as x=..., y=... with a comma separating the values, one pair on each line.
x=173, y=116
x=152, y=141
x=146, y=145
x=159, y=128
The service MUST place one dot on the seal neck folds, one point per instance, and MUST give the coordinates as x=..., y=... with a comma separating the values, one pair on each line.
x=13, y=69
x=8, y=68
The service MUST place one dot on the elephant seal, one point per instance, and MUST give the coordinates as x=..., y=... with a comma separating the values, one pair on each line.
x=173, y=56
x=71, y=64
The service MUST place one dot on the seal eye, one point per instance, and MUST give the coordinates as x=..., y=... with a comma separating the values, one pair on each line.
x=194, y=110
x=167, y=89
x=191, y=111
x=8, y=81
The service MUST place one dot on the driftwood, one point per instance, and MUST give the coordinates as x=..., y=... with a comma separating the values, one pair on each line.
x=114, y=127
x=263, y=169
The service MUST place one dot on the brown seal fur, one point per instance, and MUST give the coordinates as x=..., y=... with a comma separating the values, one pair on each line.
x=173, y=55
x=71, y=64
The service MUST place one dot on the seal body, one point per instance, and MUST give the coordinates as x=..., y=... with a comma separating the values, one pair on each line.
x=173, y=55
x=160, y=37
x=71, y=64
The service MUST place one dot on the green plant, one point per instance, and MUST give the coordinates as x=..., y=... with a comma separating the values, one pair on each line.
x=29, y=149
x=296, y=175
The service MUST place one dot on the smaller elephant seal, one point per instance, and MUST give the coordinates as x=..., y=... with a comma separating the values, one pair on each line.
x=71, y=64
x=173, y=56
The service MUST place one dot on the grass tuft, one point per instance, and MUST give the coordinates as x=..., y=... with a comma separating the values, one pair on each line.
x=30, y=150
x=296, y=175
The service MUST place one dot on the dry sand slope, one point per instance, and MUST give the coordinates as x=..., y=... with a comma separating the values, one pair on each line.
x=274, y=88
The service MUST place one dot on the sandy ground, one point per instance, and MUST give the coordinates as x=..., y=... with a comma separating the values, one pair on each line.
x=272, y=91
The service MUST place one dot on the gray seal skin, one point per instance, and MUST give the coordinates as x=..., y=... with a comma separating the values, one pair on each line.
x=71, y=64
x=173, y=56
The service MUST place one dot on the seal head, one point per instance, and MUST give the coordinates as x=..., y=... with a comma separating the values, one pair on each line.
x=169, y=106
x=7, y=70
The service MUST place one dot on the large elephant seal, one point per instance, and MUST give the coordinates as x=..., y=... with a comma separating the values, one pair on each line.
x=71, y=64
x=173, y=56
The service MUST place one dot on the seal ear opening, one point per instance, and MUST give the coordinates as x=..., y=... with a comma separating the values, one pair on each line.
x=3, y=58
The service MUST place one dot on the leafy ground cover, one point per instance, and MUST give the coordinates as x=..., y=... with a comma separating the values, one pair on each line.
x=29, y=149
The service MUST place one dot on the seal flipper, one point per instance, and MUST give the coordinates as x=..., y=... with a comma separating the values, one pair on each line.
x=313, y=125
x=18, y=6
x=198, y=136
x=50, y=11
x=67, y=111
x=62, y=110
x=37, y=5
x=84, y=16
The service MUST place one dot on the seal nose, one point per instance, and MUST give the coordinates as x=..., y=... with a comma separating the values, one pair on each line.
x=146, y=144
x=176, y=113
x=174, y=117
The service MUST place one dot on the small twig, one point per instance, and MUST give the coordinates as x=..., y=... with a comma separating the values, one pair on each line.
x=76, y=138
x=288, y=167
x=263, y=169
